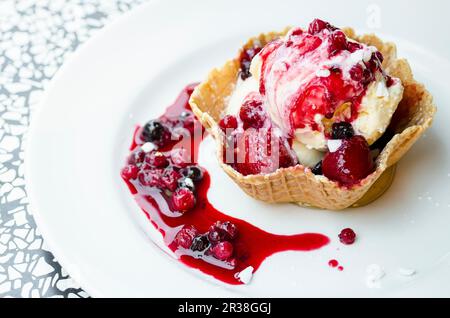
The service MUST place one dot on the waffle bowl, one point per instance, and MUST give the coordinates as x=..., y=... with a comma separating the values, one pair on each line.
x=298, y=184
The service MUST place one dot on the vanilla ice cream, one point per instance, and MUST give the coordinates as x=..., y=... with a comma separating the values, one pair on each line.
x=308, y=81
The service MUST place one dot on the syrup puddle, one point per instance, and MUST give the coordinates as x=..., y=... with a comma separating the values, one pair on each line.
x=252, y=245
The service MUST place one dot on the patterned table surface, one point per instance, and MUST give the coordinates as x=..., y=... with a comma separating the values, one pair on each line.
x=36, y=37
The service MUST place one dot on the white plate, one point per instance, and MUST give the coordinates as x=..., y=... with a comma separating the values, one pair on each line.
x=135, y=68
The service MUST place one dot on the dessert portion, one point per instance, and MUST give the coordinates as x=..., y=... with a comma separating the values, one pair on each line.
x=162, y=173
x=313, y=116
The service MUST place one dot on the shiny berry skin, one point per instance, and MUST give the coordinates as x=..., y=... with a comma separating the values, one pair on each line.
x=252, y=114
x=155, y=131
x=222, y=250
x=200, y=243
x=194, y=173
x=342, y=130
x=228, y=123
x=353, y=46
x=246, y=60
x=357, y=73
x=137, y=157
x=150, y=178
x=222, y=231
x=183, y=200
x=389, y=81
x=129, y=172
x=338, y=42
x=186, y=236
x=157, y=160
x=347, y=236
x=317, y=169
x=169, y=179
x=318, y=25
x=351, y=163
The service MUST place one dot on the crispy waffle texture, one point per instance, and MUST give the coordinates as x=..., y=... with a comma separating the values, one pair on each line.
x=299, y=185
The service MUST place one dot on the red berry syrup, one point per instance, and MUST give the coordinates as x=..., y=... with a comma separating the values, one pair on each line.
x=172, y=189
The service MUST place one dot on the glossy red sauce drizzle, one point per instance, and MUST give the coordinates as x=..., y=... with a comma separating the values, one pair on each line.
x=252, y=245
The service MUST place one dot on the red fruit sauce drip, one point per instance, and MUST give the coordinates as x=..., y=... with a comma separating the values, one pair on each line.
x=335, y=264
x=251, y=247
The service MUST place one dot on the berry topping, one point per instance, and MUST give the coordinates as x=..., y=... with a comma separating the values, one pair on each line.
x=137, y=157
x=347, y=236
x=157, y=160
x=342, y=130
x=150, y=178
x=252, y=114
x=222, y=250
x=357, y=73
x=246, y=60
x=200, y=243
x=353, y=46
x=156, y=132
x=229, y=122
x=183, y=200
x=318, y=25
x=222, y=231
x=186, y=236
x=350, y=163
x=259, y=151
x=389, y=81
x=338, y=42
x=317, y=170
x=129, y=172
x=194, y=173
x=169, y=179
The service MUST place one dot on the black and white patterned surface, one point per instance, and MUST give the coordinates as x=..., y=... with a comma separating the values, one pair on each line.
x=36, y=37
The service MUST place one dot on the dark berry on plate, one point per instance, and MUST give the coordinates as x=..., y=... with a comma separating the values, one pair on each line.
x=222, y=231
x=228, y=123
x=169, y=179
x=150, y=178
x=317, y=169
x=350, y=163
x=222, y=250
x=130, y=172
x=342, y=130
x=183, y=200
x=137, y=157
x=200, y=243
x=186, y=183
x=252, y=114
x=155, y=131
x=185, y=237
x=194, y=173
x=157, y=159
x=347, y=236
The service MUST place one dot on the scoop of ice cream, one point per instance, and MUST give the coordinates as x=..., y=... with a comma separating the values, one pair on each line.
x=311, y=79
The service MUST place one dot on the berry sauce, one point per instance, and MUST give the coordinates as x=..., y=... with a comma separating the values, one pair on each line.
x=332, y=74
x=335, y=264
x=163, y=175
